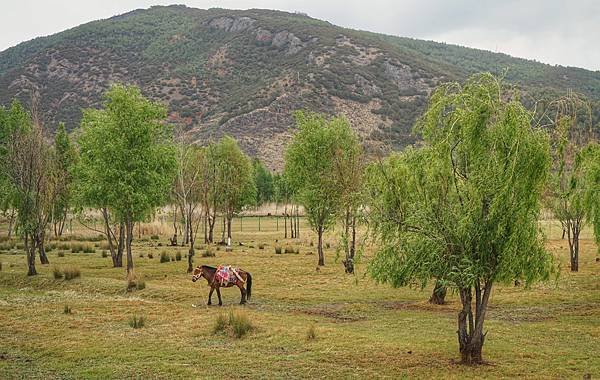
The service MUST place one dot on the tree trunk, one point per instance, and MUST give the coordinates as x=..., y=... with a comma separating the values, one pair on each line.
x=223, y=230
x=285, y=221
x=129, y=239
x=297, y=223
x=41, y=249
x=229, y=218
x=470, y=331
x=320, y=246
x=211, y=227
x=11, y=222
x=30, y=251
x=292, y=224
x=438, y=297
x=573, y=229
x=349, y=263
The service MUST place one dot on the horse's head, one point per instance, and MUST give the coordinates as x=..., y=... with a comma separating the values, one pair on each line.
x=196, y=274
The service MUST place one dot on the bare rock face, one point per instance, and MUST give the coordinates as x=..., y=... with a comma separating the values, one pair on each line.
x=286, y=39
x=264, y=35
x=230, y=24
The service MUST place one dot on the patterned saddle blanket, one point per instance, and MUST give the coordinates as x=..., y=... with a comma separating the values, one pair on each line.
x=226, y=275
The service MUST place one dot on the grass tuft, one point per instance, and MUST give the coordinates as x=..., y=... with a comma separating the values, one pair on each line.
x=164, y=257
x=237, y=323
x=67, y=310
x=208, y=253
x=60, y=254
x=178, y=256
x=57, y=273
x=311, y=334
x=278, y=250
x=71, y=272
x=137, y=322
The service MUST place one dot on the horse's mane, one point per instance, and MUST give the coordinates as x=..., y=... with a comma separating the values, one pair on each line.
x=208, y=266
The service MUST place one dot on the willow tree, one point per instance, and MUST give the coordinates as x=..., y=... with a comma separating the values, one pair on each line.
x=127, y=158
x=463, y=208
x=590, y=167
x=572, y=132
x=235, y=177
x=310, y=166
x=64, y=157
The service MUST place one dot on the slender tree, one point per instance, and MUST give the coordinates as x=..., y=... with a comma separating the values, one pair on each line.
x=571, y=133
x=463, y=207
x=309, y=165
x=65, y=156
x=127, y=159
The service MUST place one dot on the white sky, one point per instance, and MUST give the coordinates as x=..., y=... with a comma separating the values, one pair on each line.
x=552, y=31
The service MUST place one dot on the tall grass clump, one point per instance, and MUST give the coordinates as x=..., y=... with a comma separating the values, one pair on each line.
x=178, y=256
x=237, y=324
x=311, y=334
x=278, y=250
x=67, y=310
x=164, y=258
x=137, y=322
x=57, y=273
x=208, y=253
x=71, y=272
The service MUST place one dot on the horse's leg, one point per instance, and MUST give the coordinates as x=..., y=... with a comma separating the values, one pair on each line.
x=210, y=295
x=219, y=294
x=243, y=291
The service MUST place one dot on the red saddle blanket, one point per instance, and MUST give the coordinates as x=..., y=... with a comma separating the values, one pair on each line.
x=226, y=274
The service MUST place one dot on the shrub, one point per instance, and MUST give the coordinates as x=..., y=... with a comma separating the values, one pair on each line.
x=104, y=253
x=67, y=309
x=297, y=250
x=164, y=258
x=240, y=323
x=237, y=322
x=137, y=322
x=327, y=245
x=208, y=253
x=311, y=243
x=220, y=324
x=104, y=245
x=71, y=272
x=311, y=334
x=88, y=248
x=61, y=254
x=141, y=284
x=76, y=247
x=178, y=256
x=289, y=249
x=58, y=274
x=261, y=246
x=150, y=256
x=141, y=255
x=154, y=237
x=49, y=248
x=172, y=258
x=278, y=250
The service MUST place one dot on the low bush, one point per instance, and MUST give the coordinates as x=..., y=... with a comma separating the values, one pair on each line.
x=164, y=258
x=57, y=273
x=240, y=323
x=327, y=245
x=208, y=253
x=277, y=250
x=76, y=247
x=60, y=254
x=297, y=250
x=137, y=322
x=104, y=253
x=154, y=237
x=67, y=310
x=311, y=334
x=261, y=246
x=150, y=256
x=172, y=258
x=71, y=272
x=88, y=248
x=141, y=255
x=237, y=324
x=178, y=256
x=289, y=249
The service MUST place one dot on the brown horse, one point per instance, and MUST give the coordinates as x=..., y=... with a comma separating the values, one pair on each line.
x=209, y=274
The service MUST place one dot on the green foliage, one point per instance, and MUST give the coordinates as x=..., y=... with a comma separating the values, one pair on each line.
x=234, y=180
x=127, y=155
x=590, y=167
x=264, y=183
x=237, y=322
x=310, y=165
x=464, y=207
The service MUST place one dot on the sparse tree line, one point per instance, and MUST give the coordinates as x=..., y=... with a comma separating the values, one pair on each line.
x=460, y=209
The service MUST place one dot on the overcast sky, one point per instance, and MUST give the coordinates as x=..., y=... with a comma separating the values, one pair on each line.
x=550, y=31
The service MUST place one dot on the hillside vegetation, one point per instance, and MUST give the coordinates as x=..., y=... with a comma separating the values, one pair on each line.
x=242, y=73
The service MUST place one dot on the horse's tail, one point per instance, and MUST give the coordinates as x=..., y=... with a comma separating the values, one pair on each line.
x=248, y=285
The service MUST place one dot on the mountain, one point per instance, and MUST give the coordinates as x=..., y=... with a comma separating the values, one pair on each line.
x=243, y=73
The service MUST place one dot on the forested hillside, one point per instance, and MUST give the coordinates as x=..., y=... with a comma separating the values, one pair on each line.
x=243, y=73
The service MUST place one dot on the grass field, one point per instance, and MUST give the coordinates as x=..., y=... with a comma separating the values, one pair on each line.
x=361, y=329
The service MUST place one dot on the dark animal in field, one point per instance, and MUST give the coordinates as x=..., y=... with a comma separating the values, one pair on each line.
x=237, y=277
